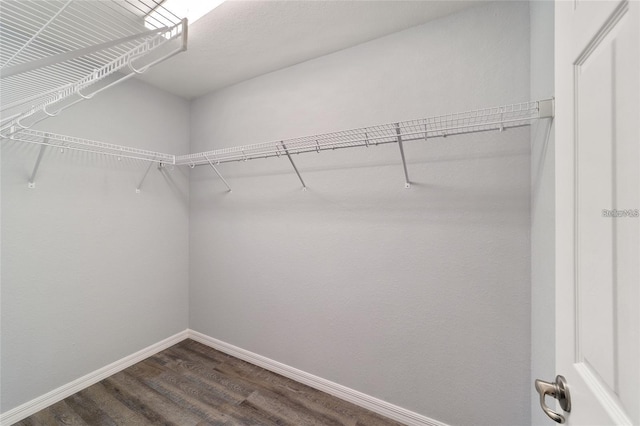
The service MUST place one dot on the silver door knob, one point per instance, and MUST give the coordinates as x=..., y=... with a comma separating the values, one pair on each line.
x=557, y=390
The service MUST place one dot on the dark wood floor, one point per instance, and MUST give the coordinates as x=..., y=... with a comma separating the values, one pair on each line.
x=192, y=384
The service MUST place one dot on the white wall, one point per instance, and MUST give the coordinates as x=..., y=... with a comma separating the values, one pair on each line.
x=420, y=297
x=92, y=271
x=542, y=207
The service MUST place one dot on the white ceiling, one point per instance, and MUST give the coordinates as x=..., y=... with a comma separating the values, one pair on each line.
x=242, y=39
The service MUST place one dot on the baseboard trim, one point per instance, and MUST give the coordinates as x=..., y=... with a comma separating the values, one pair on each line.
x=376, y=405
x=25, y=410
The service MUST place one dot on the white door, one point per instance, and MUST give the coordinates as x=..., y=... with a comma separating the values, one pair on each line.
x=597, y=201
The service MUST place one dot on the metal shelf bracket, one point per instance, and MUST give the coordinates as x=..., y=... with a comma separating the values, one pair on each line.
x=546, y=108
x=304, y=187
x=407, y=183
x=32, y=183
x=218, y=173
x=139, y=187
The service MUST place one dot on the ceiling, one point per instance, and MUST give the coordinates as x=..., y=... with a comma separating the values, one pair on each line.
x=242, y=39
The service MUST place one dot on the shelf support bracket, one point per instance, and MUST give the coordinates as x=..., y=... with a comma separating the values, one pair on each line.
x=546, y=108
x=407, y=183
x=139, y=187
x=32, y=183
x=218, y=173
x=304, y=187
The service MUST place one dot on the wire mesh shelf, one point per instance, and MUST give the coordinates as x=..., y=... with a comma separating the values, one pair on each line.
x=57, y=53
x=481, y=120
x=78, y=144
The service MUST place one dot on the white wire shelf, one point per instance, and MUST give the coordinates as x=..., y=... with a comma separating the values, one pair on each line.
x=481, y=120
x=57, y=53
x=87, y=145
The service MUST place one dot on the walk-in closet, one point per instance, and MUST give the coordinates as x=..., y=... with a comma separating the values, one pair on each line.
x=319, y=212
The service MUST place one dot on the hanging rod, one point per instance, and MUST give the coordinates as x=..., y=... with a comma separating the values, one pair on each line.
x=481, y=120
x=78, y=144
x=57, y=53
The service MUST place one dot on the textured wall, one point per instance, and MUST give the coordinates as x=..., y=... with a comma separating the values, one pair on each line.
x=420, y=297
x=92, y=271
x=542, y=208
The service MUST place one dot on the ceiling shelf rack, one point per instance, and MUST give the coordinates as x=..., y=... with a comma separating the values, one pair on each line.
x=57, y=53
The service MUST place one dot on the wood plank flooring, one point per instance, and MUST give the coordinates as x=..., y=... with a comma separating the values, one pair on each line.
x=192, y=384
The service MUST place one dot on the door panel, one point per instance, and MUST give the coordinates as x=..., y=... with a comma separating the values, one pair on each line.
x=595, y=238
x=597, y=202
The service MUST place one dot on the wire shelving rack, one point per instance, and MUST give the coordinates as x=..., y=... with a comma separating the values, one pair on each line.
x=481, y=120
x=499, y=118
x=57, y=53
x=64, y=142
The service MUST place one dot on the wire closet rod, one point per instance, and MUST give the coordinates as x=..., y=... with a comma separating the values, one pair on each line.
x=481, y=120
x=87, y=145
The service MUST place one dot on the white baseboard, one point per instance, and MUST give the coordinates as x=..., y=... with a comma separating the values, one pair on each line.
x=376, y=405
x=25, y=410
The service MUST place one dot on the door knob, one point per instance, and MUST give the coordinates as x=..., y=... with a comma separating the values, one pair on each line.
x=557, y=390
